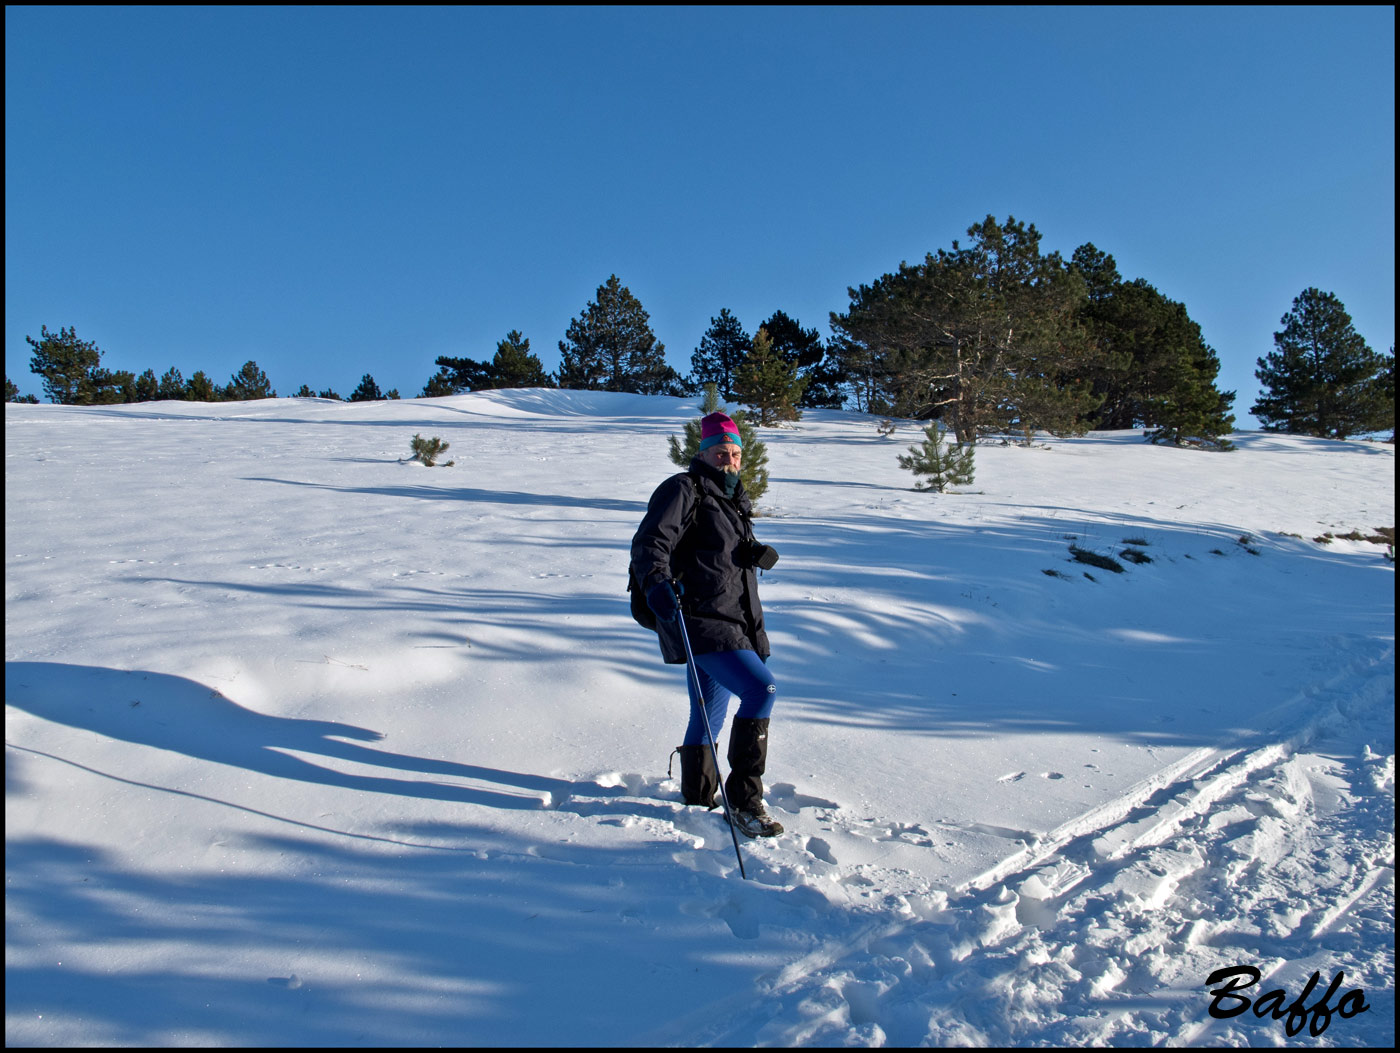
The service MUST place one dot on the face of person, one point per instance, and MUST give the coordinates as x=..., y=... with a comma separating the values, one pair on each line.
x=726, y=457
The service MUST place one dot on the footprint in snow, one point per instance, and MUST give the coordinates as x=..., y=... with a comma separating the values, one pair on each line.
x=632, y=782
x=907, y=833
x=785, y=795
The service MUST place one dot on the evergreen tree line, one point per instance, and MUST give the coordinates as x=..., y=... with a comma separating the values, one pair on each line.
x=610, y=346
x=996, y=336
x=1000, y=337
x=72, y=374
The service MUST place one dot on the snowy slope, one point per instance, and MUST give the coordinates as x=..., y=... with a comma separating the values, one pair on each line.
x=309, y=744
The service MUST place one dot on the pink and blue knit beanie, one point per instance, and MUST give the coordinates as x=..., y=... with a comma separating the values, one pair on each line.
x=718, y=428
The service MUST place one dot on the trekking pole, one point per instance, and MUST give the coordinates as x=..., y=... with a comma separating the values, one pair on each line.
x=710, y=735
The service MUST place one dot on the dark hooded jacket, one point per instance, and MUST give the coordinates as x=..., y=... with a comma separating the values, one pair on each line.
x=694, y=533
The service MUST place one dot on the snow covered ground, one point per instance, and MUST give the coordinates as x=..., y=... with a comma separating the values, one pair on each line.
x=307, y=744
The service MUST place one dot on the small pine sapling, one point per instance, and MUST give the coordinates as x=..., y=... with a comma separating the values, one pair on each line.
x=944, y=465
x=428, y=450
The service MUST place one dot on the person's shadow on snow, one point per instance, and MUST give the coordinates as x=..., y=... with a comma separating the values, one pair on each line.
x=182, y=716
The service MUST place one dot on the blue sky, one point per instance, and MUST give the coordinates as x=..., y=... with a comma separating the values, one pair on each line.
x=340, y=191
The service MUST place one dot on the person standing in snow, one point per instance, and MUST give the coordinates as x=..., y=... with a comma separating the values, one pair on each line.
x=696, y=558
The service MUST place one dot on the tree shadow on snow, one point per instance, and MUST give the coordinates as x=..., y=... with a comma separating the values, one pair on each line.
x=315, y=941
x=962, y=630
x=465, y=493
x=300, y=934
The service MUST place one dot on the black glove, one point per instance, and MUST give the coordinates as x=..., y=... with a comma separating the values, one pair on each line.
x=662, y=600
x=757, y=554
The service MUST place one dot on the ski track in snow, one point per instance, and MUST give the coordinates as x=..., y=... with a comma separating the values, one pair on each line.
x=1118, y=911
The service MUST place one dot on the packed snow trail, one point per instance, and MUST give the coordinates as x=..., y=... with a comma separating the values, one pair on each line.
x=1104, y=933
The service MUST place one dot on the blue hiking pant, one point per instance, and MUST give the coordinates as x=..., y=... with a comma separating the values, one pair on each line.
x=726, y=673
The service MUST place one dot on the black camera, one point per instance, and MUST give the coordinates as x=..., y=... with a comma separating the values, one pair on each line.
x=754, y=554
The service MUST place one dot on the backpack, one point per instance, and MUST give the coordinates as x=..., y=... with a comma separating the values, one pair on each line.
x=642, y=613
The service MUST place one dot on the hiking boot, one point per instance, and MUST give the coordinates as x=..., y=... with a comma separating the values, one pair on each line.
x=756, y=822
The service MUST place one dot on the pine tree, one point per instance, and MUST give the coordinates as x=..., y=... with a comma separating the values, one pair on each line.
x=172, y=385
x=1153, y=367
x=515, y=367
x=439, y=385
x=985, y=337
x=104, y=387
x=248, y=383
x=1322, y=378
x=944, y=466
x=368, y=391
x=816, y=366
x=721, y=353
x=768, y=384
x=201, y=389
x=1191, y=412
x=63, y=362
x=462, y=374
x=147, y=387
x=610, y=347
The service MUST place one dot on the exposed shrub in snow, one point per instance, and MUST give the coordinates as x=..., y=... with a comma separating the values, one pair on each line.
x=1083, y=555
x=428, y=450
